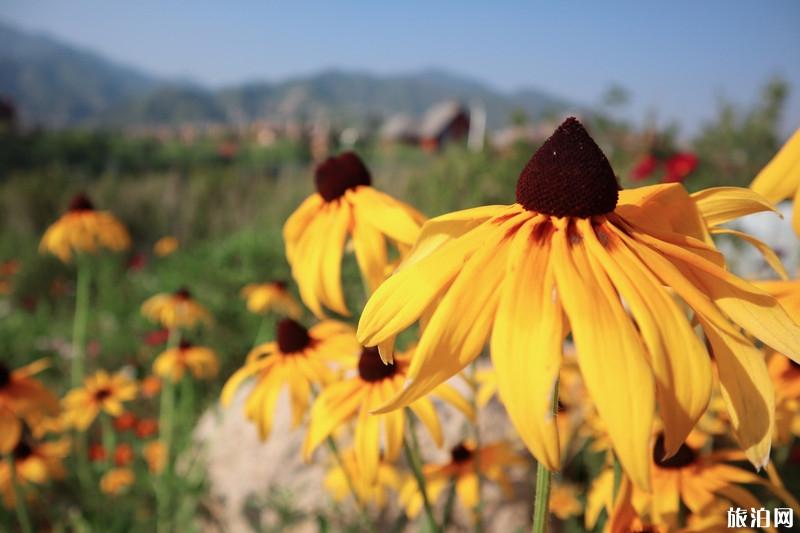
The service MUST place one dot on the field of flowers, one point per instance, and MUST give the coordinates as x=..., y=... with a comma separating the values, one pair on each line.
x=388, y=308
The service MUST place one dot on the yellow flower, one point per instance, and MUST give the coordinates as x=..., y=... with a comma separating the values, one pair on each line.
x=564, y=502
x=345, y=204
x=200, y=361
x=176, y=310
x=22, y=397
x=117, y=480
x=34, y=464
x=565, y=258
x=355, y=398
x=100, y=391
x=166, y=246
x=780, y=179
x=787, y=292
x=297, y=359
x=265, y=297
x=492, y=462
x=367, y=491
x=82, y=229
x=155, y=453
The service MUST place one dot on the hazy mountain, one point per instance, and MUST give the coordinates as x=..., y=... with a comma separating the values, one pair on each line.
x=55, y=84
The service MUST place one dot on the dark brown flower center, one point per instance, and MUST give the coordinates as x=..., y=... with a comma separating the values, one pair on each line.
x=22, y=450
x=102, y=394
x=282, y=285
x=683, y=457
x=5, y=375
x=292, y=336
x=568, y=176
x=80, y=202
x=185, y=345
x=561, y=408
x=460, y=453
x=183, y=294
x=372, y=368
x=336, y=175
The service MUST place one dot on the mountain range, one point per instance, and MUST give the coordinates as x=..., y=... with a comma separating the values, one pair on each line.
x=54, y=84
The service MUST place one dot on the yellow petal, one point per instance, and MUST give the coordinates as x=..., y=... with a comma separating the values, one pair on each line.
x=770, y=256
x=780, y=179
x=449, y=394
x=330, y=266
x=424, y=410
x=719, y=205
x=370, y=248
x=333, y=407
x=385, y=213
x=367, y=440
x=467, y=490
x=298, y=223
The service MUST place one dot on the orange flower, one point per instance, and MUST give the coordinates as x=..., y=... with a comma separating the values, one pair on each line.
x=124, y=422
x=146, y=427
x=123, y=455
x=117, y=480
x=151, y=386
x=155, y=453
x=21, y=397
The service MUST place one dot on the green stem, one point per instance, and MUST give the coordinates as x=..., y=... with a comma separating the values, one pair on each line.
x=412, y=457
x=617, y=478
x=80, y=322
x=262, y=329
x=19, y=498
x=109, y=438
x=165, y=425
x=541, y=503
x=350, y=484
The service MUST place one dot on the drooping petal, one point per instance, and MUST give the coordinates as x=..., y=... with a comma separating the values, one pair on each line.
x=424, y=410
x=527, y=344
x=780, y=178
x=366, y=439
x=330, y=266
x=719, y=205
x=332, y=407
x=370, y=248
x=385, y=213
x=298, y=223
x=770, y=256
x=677, y=211
x=305, y=269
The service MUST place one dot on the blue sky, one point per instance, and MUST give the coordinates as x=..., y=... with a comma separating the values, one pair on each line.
x=677, y=59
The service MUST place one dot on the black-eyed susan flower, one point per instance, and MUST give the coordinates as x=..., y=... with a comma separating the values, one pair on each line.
x=345, y=204
x=577, y=254
x=100, y=392
x=35, y=463
x=175, y=310
x=175, y=362
x=22, y=397
x=82, y=229
x=298, y=359
x=117, y=480
x=353, y=399
x=262, y=298
x=368, y=491
x=166, y=246
x=780, y=179
x=492, y=461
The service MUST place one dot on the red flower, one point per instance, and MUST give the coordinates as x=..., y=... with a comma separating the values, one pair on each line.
x=157, y=337
x=125, y=421
x=123, y=455
x=644, y=168
x=137, y=262
x=97, y=452
x=679, y=166
x=146, y=427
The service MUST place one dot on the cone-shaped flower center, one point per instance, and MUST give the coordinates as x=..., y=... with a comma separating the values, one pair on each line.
x=684, y=456
x=337, y=174
x=280, y=284
x=5, y=375
x=569, y=176
x=460, y=453
x=183, y=294
x=292, y=336
x=102, y=394
x=80, y=202
x=372, y=368
x=22, y=450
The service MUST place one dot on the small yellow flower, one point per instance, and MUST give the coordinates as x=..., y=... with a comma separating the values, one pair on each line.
x=345, y=204
x=200, y=361
x=34, y=464
x=492, y=462
x=780, y=179
x=176, y=310
x=117, y=480
x=297, y=360
x=564, y=502
x=82, y=229
x=155, y=453
x=265, y=297
x=100, y=391
x=22, y=397
x=165, y=246
x=375, y=491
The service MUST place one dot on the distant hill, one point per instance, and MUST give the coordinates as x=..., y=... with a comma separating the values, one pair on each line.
x=55, y=84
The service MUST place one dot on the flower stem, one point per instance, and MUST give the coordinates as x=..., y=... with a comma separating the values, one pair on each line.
x=79, y=323
x=19, y=498
x=541, y=503
x=362, y=510
x=476, y=431
x=165, y=426
x=109, y=439
x=412, y=456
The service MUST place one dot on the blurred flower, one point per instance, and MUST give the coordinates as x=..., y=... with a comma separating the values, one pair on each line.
x=155, y=453
x=7, y=270
x=466, y=463
x=297, y=360
x=165, y=246
x=22, y=397
x=123, y=454
x=100, y=391
x=564, y=502
x=147, y=427
x=355, y=399
x=175, y=310
x=565, y=258
x=200, y=361
x=679, y=166
x=265, y=297
x=97, y=452
x=34, y=463
x=780, y=178
x=117, y=480
x=367, y=491
x=157, y=337
x=644, y=167
x=83, y=230
x=124, y=422
x=345, y=203
x=137, y=262
x=150, y=386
